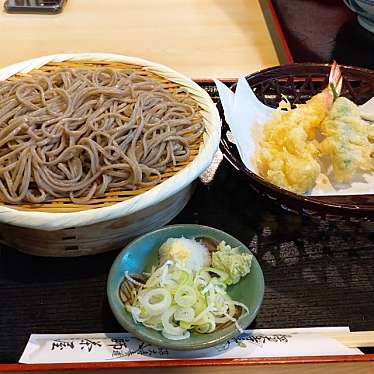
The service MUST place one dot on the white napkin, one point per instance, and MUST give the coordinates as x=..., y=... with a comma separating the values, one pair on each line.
x=246, y=116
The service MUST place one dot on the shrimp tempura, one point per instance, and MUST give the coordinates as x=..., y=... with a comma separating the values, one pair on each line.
x=287, y=155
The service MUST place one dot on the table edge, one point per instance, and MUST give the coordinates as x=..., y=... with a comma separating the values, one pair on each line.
x=184, y=363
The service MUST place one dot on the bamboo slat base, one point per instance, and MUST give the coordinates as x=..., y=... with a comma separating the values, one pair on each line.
x=97, y=238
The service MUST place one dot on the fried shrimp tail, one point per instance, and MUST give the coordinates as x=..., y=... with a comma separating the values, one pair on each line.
x=316, y=109
x=335, y=80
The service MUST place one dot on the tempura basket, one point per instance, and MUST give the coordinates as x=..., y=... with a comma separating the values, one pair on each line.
x=299, y=82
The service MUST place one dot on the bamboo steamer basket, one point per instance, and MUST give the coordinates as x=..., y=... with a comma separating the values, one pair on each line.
x=61, y=228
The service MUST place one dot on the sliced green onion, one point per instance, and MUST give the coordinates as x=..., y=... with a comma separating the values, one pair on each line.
x=228, y=308
x=185, y=296
x=154, y=279
x=156, y=300
x=185, y=325
x=184, y=314
x=207, y=324
x=169, y=327
x=182, y=276
x=138, y=314
x=202, y=279
x=154, y=323
x=200, y=304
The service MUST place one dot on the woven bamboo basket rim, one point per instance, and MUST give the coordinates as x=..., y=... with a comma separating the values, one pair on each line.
x=60, y=213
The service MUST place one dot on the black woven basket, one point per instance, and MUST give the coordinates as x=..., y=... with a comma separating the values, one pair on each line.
x=299, y=82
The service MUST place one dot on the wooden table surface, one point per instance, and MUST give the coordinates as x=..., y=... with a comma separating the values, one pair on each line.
x=200, y=38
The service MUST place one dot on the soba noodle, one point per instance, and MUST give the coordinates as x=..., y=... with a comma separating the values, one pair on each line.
x=78, y=133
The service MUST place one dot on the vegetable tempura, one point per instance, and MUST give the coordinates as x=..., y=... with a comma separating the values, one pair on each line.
x=346, y=140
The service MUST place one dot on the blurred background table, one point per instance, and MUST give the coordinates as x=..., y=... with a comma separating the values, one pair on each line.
x=202, y=39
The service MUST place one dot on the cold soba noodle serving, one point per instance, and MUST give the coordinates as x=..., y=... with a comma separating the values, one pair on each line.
x=78, y=133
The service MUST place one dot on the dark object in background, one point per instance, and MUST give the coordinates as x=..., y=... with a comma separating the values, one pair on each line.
x=323, y=30
x=352, y=44
x=34, y=6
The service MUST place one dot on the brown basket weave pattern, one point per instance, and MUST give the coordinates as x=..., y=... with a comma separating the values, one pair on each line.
x=63, y=205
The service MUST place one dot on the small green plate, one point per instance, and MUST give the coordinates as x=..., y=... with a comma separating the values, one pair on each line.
x=142, y=253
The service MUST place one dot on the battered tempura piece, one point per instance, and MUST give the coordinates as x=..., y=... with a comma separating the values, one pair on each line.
x=287, y=155
x=346, y=140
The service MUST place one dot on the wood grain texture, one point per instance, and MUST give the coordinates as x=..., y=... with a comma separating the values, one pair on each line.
x=202, y=39
x=276, y=32
x=307, y=365
x=354, y=339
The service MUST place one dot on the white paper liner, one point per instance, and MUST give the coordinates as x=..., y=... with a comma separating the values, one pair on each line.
x=246, y=116
x=58, y=221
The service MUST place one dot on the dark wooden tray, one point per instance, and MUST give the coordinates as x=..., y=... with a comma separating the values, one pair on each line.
x=317, y=273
